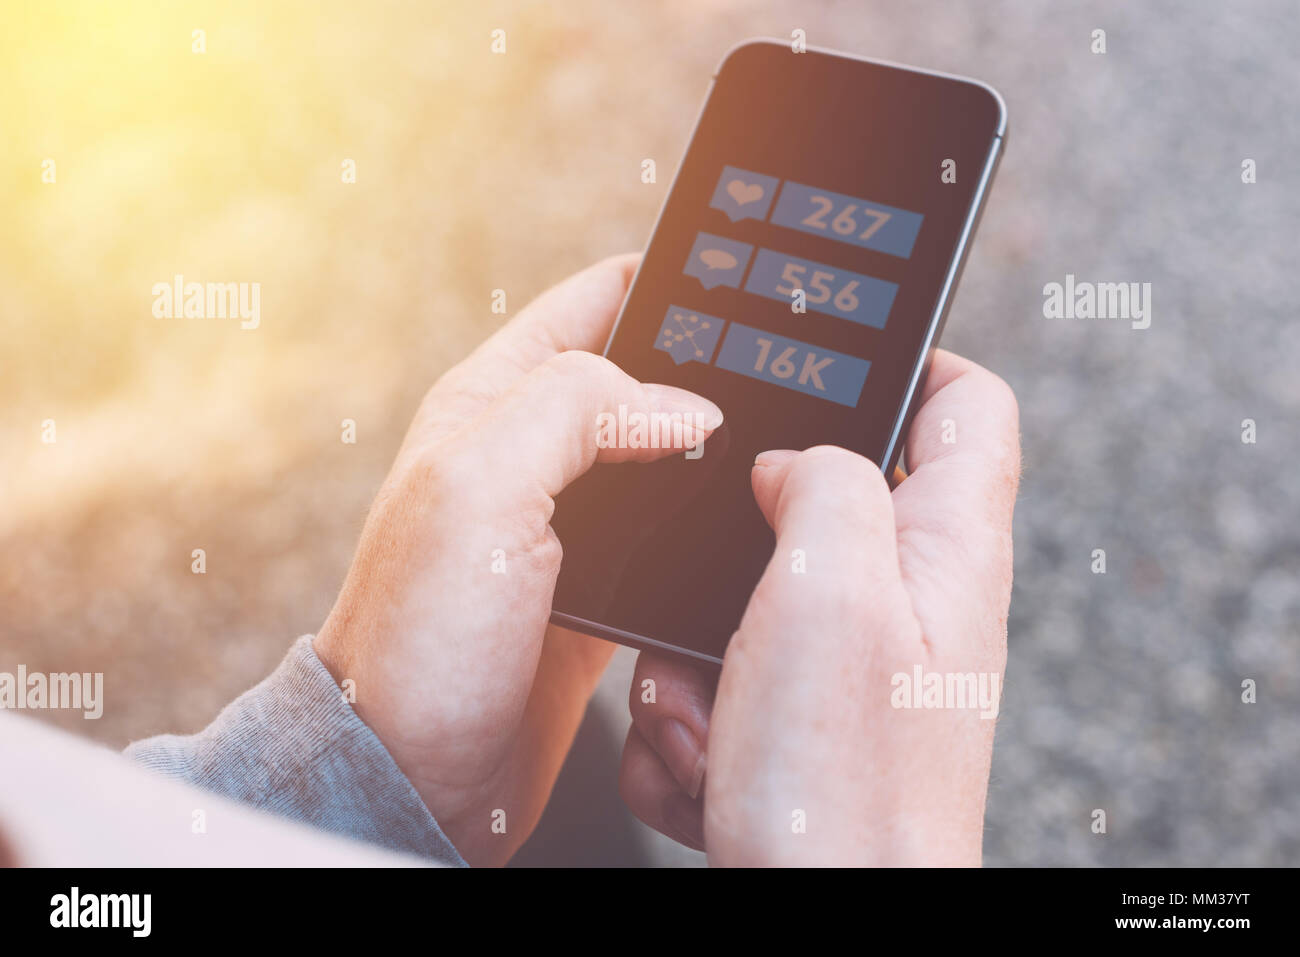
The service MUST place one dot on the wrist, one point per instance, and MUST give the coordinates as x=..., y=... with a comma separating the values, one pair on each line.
x=457, y=810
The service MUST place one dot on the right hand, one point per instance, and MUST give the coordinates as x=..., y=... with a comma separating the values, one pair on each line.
x=802, y=728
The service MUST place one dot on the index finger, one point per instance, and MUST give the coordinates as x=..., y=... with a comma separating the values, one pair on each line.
x=576, y=314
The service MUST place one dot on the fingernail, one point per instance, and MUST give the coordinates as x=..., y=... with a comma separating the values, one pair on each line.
x=681, y=751
x=669, y=398
x=774, y=457
x=686, y=817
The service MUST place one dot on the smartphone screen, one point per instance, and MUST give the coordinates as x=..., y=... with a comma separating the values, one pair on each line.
x=797, y=277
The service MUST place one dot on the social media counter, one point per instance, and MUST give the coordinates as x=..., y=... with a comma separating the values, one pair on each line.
x=688, y=335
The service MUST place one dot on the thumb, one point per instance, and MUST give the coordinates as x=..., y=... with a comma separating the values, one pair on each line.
x=834, y=577
x=579, y=408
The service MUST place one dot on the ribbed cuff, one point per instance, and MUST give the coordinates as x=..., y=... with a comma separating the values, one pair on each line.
x=293, y=745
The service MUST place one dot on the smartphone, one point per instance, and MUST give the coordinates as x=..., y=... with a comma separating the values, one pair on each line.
x=799, y=276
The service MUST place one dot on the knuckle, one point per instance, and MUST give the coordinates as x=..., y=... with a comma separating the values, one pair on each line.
x=577, y=375
x=623, y=264
x=1007, y=401
x=998, y=401
x=432, y=471
x=542, y=546
x=999, y=398
x=578, y=365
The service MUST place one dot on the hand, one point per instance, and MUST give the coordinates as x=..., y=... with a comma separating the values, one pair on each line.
x=442, y=620
x=805, y=728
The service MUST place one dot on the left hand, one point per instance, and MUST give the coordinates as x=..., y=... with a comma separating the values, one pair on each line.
x=457, y=671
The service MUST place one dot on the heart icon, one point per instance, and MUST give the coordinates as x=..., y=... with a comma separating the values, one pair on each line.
x=744, y=193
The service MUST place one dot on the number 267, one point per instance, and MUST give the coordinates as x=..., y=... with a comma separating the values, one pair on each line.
x=844, y=223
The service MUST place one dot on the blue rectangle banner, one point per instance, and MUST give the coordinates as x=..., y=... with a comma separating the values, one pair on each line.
x=792, y=364
x=829, y=290
x=847, y=219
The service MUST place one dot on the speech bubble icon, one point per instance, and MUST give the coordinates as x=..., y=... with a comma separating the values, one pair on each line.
x=688, y=335
x=718, y=261
x=744, y=194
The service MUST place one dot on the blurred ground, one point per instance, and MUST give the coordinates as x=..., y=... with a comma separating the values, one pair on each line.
x=477, y=172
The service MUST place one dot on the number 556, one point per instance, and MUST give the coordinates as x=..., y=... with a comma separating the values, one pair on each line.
x=819, y=288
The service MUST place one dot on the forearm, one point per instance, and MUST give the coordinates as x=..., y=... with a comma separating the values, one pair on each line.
x=293, y=745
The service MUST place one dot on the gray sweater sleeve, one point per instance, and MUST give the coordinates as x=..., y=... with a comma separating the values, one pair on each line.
x=293, y=746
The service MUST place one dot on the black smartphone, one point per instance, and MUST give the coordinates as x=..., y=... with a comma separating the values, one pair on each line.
x=799, y=276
